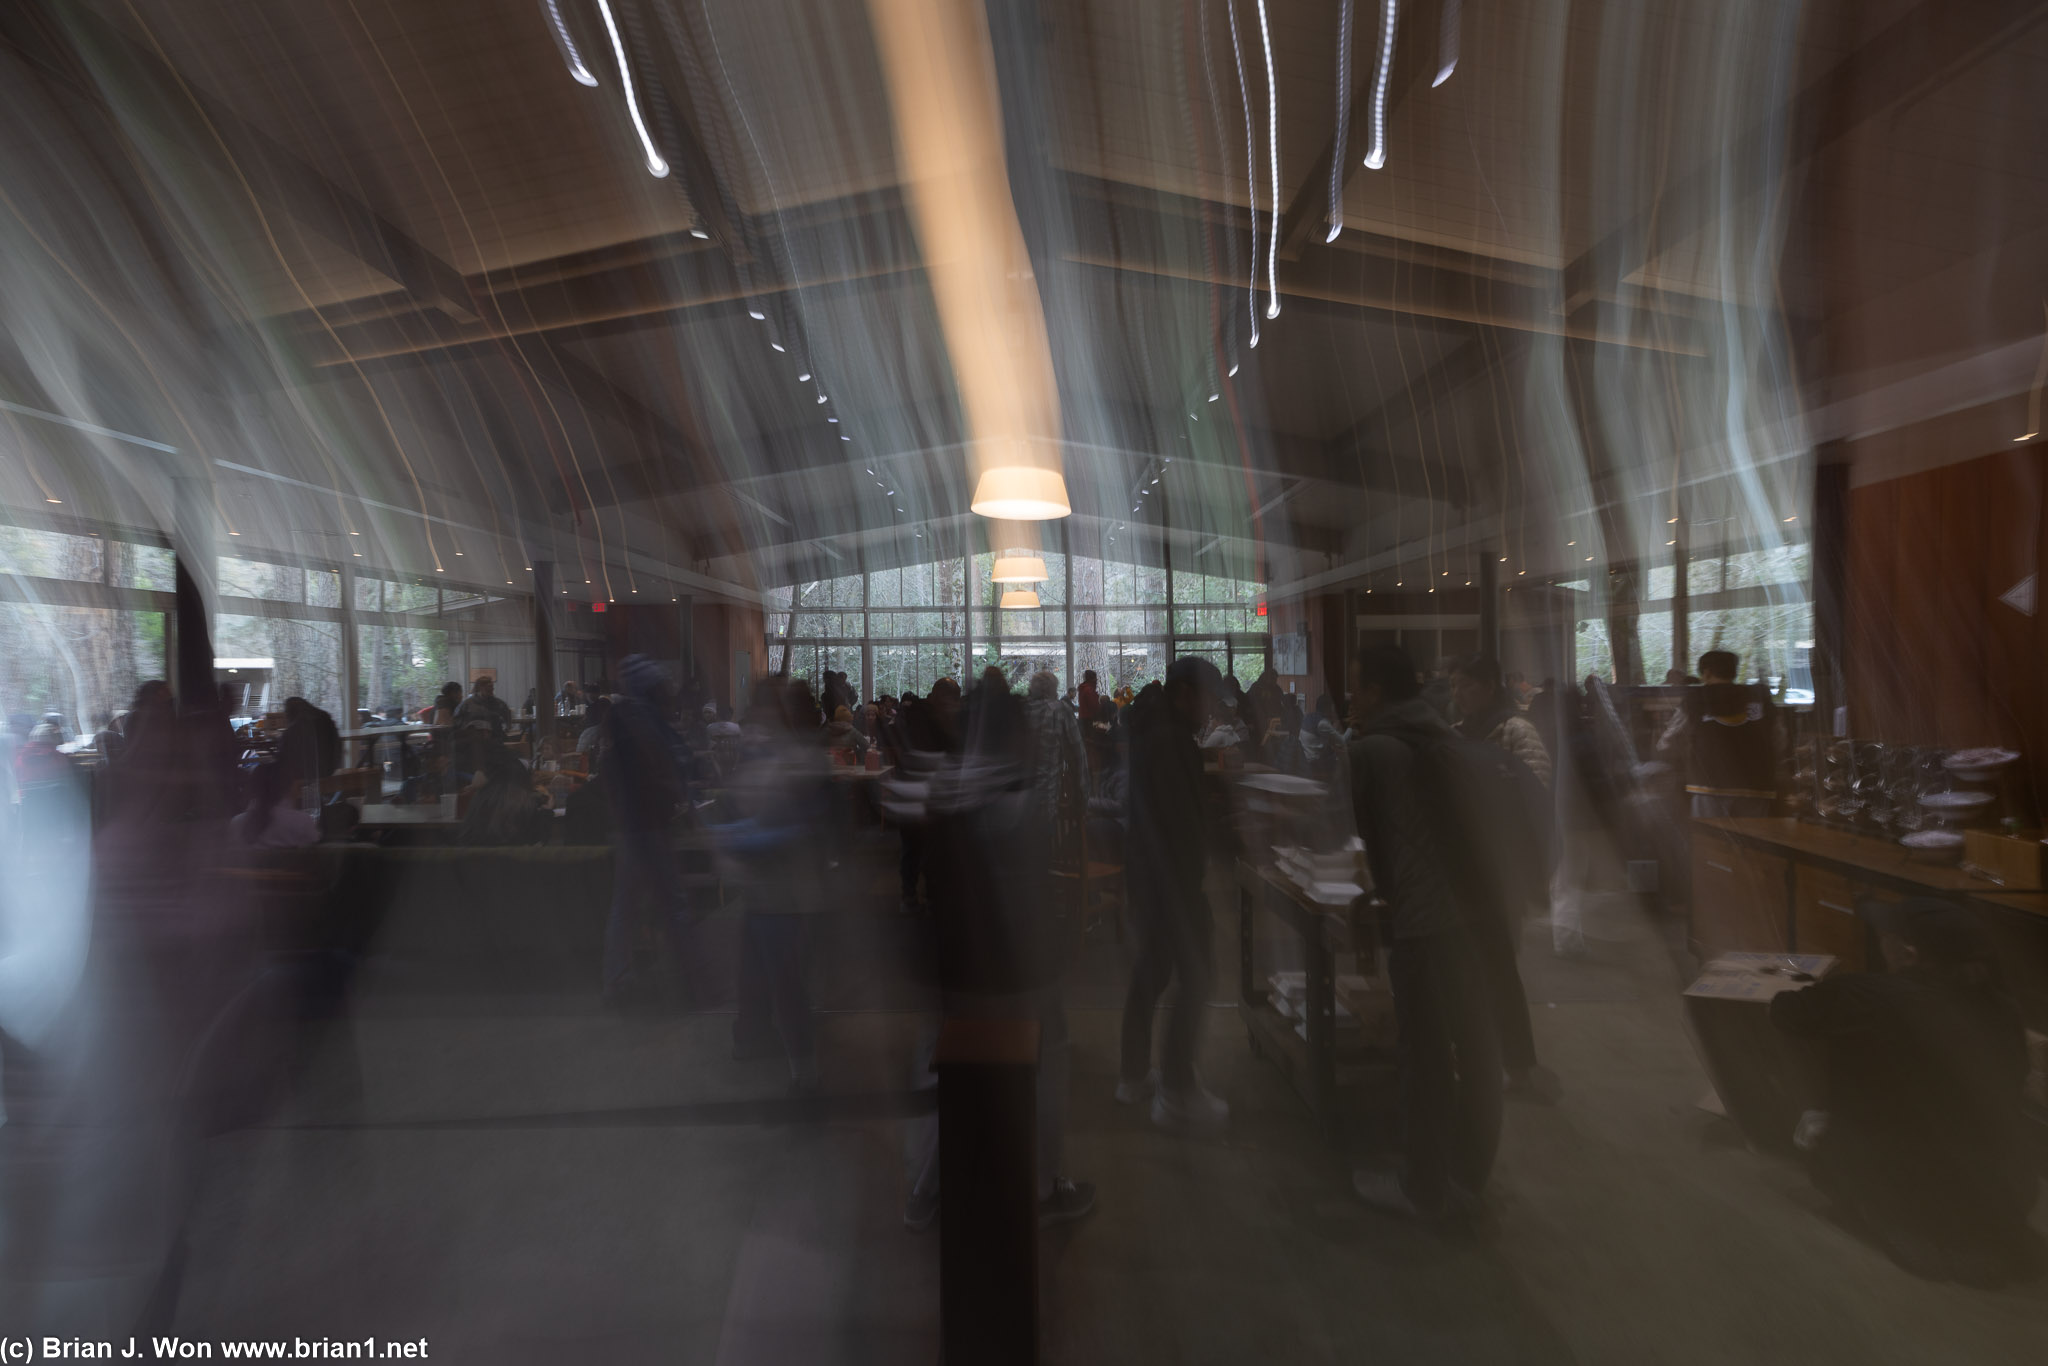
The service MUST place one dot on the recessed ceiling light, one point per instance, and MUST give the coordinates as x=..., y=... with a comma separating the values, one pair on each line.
x=778, y=346
x=804, y=377
x=1214, y=397
x=821, y=398
x=1791, y=519
x=831, y=419
x=757, y=315
x=700, y=234
x=1671, y=543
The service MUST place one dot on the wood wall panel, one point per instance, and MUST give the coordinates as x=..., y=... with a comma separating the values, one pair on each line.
x=1933, y=656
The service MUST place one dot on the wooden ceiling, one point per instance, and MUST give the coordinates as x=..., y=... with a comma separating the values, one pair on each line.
x=414, y=205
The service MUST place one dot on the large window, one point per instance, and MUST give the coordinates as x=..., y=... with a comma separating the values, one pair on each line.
x=902, y=629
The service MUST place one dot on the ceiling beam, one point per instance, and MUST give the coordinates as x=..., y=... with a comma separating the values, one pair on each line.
x=1411, y=73
x=1920, y=51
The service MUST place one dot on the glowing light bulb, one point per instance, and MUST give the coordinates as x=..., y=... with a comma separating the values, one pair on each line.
x=776, y=346
x=757, y=315
x=700, y=234
x=804, y=378
x=656, y=167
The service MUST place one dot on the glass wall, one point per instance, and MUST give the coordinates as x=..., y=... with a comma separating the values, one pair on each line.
x=902, y=629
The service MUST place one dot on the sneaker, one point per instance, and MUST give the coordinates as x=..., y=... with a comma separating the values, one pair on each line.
x=921, y=1210
x=1536, y=1084
x=1131, y=1092
x=1384, y=1192
x=1070, y=1200
x=1196, y=1109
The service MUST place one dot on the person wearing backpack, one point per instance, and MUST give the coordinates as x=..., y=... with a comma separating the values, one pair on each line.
x=1447, y=1048
x=1516, y=826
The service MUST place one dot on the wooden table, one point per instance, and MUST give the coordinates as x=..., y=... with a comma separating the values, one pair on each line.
x=410, y=815
x=1776, y=884
x=1310, y=1066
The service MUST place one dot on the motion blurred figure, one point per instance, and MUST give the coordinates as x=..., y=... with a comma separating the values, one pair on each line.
x=644, y=779
x=1165, y=855
x=1448, y=1051
x=783, y=798
x=1487, y=714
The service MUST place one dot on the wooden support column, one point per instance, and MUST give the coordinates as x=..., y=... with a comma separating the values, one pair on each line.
x=1489, y=605
x=543, y=645
x=1830, y=550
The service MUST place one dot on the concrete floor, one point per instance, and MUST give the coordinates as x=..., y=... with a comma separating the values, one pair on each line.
x=534, y=1181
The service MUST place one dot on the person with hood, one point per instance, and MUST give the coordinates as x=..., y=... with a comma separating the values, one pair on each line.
x=1447, y=1050
x=1165, y=856
x=643, y=777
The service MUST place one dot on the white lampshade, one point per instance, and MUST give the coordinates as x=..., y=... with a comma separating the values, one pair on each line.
x=1021, y=493
x=1018, y=599
x=1020, y=569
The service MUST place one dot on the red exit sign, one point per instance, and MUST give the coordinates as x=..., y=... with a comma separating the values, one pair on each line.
x=599, y=607
x=1262, y=609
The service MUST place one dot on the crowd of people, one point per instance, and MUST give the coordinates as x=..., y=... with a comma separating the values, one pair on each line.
x=1468, y=790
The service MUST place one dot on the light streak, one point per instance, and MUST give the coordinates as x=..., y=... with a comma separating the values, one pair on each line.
x=1376, y=154
x=656, y=167
x=1273, y=166
x=1446, y=45
x=1343, y=119
x=566, y=44
x=1251, y=171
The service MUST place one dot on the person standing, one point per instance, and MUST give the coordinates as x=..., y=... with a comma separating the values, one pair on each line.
x=1087, y=697
x=1447, y=1049
x=644, y=780
x=1726, y=734
x=1487, y=713
x=1165, y=853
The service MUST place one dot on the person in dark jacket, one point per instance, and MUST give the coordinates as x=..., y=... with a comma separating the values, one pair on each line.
x=504, y=809
x=1447, y=1048
x=644, y=779
x=310, y=748
x=1165, y=853
x=1921, y=1141
x=1725, y=734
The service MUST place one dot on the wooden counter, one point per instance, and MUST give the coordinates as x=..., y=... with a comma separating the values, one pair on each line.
x=1774, y=884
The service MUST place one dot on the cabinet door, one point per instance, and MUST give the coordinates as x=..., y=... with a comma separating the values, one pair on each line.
x=1825, y=919
x=1738, y=898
